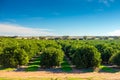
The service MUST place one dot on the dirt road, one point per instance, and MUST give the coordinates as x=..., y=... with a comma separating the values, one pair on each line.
x=101, y=76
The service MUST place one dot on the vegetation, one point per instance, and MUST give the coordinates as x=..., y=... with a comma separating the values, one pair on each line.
x=66, y=67
x=34, y=64
x=51, y=57
x=115, y=59
x=82, y=53
x=87, y=57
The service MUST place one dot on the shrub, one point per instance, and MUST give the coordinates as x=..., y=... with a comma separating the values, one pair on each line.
x=21, y=56
x=115, y=59
x=106, y=52
x=86, y=57
x=51, y=57
x=13, y=56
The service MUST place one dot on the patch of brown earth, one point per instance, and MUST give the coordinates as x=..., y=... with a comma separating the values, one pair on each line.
x=101, y=76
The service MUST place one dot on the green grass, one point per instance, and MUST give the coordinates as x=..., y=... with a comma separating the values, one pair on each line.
x=107, y=69
x=34, y=65
x=87, y=70
x=7, y=69
x=65, y=66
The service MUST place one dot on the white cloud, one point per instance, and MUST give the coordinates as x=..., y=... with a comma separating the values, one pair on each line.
x=114, y=33
x=17, y=30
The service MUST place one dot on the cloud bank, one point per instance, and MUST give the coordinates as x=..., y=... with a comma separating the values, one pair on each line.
x=17, y=30
x=114, y=33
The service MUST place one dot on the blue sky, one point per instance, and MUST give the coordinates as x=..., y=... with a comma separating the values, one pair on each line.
x=60, y=17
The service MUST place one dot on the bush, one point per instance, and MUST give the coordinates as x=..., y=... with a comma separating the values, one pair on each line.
x=13, y=56
x=21, y=57
x=106, y=52
x=115, y=59
x=51, y=57
x=86, y=57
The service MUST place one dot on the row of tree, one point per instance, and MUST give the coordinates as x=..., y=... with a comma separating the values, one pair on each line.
x=14, y=52
x=91, y=53
x=82, y=53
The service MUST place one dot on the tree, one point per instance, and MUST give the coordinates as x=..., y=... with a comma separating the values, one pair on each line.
x=7, y=57
x=51, y=57
x=13, y=56
x=21, y=56
x=86, y=57
x=115, y=59
x=106, y=52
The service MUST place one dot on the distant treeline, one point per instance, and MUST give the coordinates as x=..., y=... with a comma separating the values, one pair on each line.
x=65, y=37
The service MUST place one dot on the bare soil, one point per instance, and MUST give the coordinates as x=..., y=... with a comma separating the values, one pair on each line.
x=45, y=74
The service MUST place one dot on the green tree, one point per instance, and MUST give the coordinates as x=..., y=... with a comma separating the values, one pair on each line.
x=106, y=52
x=7, y=57
x=13, y=56
x=51, y=57
x=21, y=56
x=115, y=59
x=86, y=57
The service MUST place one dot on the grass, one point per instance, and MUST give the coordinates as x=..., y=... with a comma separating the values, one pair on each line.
x=102, y=68
x=87, y=70
x=34, y=65
x=65, y=66
x=107, y=69
x=7, y=69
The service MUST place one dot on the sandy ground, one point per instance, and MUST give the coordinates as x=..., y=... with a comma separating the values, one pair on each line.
x=98, y=76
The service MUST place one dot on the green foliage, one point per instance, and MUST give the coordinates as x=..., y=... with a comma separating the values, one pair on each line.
x=51, y=57
x=7, y=57
x=21, y=56
x=86, y=57
x=106, y=52
x=13, y=56
x=15, y=52
x=115, y=59
x=1, y=50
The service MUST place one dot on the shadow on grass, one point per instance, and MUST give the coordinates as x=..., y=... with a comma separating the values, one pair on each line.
x=33, y=65
x=108, y=69
x=32, y=68
x=87, y=70
x=65, y=66
x=101, y=69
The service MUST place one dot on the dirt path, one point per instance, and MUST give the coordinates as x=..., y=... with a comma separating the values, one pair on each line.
x=100, y=76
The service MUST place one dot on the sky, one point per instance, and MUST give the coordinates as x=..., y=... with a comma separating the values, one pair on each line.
x=59, y=17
